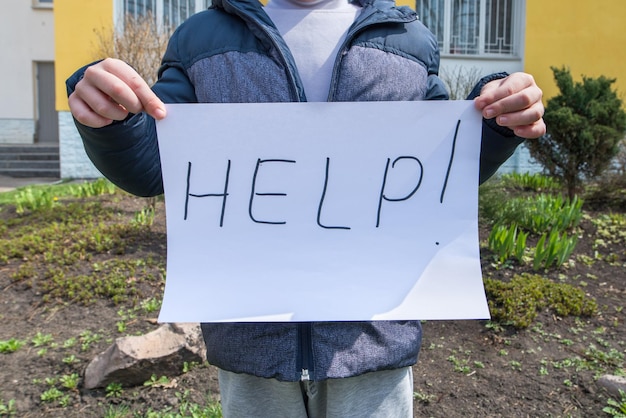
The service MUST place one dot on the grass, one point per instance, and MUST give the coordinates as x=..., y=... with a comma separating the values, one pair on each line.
x=91, y=260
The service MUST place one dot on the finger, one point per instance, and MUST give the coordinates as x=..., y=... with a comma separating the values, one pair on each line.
x=499, y=89
x=532, y=131
x=100, y=102
x=84, y=114
x=527, y=116
x=112, y=86
x=142, y=97
x=528, y=98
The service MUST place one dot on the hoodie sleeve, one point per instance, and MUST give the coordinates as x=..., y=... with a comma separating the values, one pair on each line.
x=498, y=142
x=126, y=152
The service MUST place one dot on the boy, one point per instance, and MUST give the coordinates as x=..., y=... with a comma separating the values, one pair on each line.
x=290, y=51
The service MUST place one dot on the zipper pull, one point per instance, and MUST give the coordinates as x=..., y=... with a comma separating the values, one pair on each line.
x=304, y=375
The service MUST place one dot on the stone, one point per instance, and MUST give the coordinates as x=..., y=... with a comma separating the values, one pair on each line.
x=613, y=384
x=131, y=361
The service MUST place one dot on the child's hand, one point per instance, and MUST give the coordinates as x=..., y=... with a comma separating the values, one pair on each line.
x=110, y=90
x=515, y=102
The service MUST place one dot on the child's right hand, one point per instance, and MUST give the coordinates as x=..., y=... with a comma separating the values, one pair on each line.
x=110, y=90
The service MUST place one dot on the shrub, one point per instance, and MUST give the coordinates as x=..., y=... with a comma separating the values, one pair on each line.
x=518, y=302
x=585, y=123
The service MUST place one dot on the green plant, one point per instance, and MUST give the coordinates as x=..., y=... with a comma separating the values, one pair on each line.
x=553, y=249
x=145, y=217
x=69, y=381
x=507, y=242
x=542, y=213
x=517, y=302
x=616, y=408
x=113, y=390
x=11, y=346
x=97, y=187
x=7, y=409
x=87, y=338
x=151, y=305
x=71, y=359
x=34, y=199
x=586, y=121
x=51, y=395
x=157, y=382
x=422, y=397
x=535, y=182
x=41, y=340
x=117, y=411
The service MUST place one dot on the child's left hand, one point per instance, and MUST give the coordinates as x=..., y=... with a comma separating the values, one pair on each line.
x=515, y=102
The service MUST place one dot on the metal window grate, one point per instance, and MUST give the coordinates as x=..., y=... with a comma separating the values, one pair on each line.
x=471, y=27
x=169, y=13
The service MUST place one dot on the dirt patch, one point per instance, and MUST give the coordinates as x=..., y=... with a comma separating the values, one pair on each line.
x=472, y=368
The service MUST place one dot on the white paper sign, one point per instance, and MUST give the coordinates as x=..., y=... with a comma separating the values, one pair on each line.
x=321, y=211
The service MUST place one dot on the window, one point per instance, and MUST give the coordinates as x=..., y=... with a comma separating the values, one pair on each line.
x=169, y=13
x=42, y=3
x=473, y=27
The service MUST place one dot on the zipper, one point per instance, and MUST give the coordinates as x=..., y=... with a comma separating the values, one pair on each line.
x=295, y=85
x=305, y=351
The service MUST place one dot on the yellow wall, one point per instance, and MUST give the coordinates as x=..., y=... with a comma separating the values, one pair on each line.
x=77, y=23
x=588, y=37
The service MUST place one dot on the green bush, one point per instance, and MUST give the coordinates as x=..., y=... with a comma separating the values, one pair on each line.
x=518, y=302
x=586, y=122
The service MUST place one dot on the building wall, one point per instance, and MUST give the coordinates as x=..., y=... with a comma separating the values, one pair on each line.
x=78, y=24
x=26, y=37
x=586, y=37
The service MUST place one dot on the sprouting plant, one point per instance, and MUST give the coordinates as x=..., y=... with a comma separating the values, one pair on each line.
x=71, y=359
x=51, y=395
x=151, y=305
x=117, y=411
x=34, y=199
x=145, y=217
x=93, y=188
x=7, y=409
x=542, y=213
x=87, y=338
x=422, y=397
x=531, y=181
x=113, y=390
x=616, y=408
x=69, y=381
x=41, y=340
x=507, y=242
x=157, y=382
x=69, y=343
x=553, y=249
x=11, y=346
x=515, y=365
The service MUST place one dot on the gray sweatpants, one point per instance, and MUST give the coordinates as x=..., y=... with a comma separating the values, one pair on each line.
x=384, y=394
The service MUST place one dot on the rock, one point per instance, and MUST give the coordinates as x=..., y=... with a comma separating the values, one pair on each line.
x=613, y=384
x=132, y=361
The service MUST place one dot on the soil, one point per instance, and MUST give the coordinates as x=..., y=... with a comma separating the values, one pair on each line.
x=466, y=368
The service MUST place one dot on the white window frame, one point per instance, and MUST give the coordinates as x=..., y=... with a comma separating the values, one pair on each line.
x=516, y=31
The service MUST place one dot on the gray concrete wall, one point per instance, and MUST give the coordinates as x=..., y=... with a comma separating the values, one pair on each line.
x=74, y=161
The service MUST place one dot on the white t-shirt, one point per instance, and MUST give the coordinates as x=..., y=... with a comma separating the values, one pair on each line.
x=314, y=31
